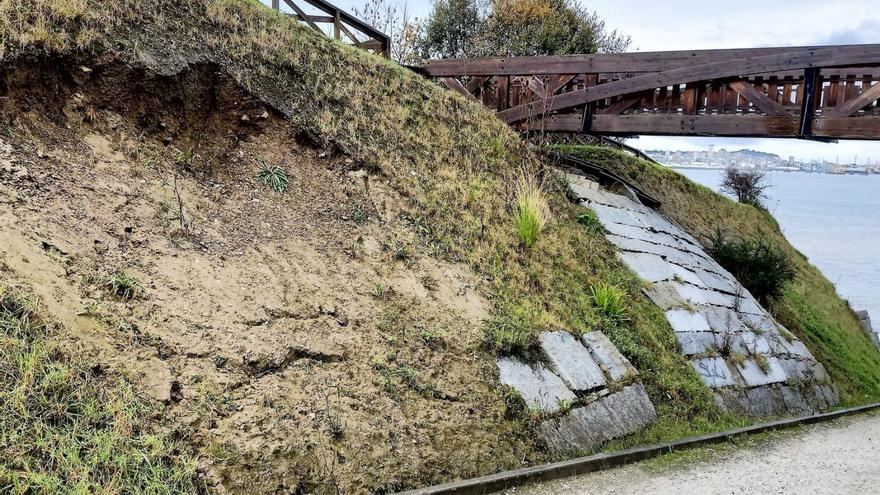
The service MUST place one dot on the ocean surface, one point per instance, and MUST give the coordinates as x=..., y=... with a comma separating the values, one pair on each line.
x=834, y=220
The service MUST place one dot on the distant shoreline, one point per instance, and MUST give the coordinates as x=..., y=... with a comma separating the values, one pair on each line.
x=685, y=167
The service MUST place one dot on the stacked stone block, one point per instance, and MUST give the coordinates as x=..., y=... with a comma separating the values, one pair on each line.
x=586, y=389
x=754, y=365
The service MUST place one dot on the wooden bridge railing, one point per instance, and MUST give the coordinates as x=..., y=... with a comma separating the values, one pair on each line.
x=359, y=33
x=806, y=92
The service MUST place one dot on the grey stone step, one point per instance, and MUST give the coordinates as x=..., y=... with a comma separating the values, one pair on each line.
x=585, y=428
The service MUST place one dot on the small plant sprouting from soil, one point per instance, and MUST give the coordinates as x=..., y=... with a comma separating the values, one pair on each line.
x=359, y=212
x=428, y=282
x=185, y=158
x=91, y=309
x=124, y=285
x=185, y=226
x=609, y=299
x=406, y=375
x=531, y=212
x=429, y=337
x=335, y=424
x=273, y=177
x=590, y=221
x=381, y=291
x=398, y=249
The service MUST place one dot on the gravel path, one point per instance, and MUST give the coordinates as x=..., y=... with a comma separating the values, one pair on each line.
x=840, y=457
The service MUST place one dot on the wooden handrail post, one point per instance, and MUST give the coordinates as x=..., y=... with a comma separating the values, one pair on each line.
x=337, y=21
x=276, y=4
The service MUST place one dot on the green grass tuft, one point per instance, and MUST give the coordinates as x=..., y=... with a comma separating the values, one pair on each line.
x=610, y=300
x=531, y=212
x=124, y=285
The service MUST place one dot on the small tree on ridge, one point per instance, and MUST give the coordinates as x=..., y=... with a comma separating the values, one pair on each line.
x=747, y=185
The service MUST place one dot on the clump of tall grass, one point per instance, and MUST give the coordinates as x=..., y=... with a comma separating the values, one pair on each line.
x=531, y=212
x=609, y=299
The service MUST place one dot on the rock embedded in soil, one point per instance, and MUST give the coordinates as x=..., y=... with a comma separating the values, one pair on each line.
x=615, y=365
x=613, y=416
x=538, y=386
x=572, y=361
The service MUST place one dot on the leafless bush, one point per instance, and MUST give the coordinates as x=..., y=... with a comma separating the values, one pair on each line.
x=747, y=185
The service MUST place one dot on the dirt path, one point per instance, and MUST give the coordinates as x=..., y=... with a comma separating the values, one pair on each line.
x=840, y=457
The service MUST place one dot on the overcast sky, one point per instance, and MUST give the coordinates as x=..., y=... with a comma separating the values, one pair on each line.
x=692, y=25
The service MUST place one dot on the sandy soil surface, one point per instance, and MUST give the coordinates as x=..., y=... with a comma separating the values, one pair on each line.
x=840, y=457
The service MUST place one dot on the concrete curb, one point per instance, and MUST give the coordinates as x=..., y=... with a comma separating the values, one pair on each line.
x=501, y=481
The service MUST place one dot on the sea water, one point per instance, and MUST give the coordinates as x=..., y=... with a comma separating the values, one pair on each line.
x=834, y=220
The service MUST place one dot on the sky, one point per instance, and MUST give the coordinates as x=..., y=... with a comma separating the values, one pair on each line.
x=692, y=25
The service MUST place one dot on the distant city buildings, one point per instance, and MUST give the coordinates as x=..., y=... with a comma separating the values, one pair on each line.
x=745, y=158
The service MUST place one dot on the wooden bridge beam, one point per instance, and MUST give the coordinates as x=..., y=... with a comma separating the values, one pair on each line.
x=866, y=54
x=778, y=93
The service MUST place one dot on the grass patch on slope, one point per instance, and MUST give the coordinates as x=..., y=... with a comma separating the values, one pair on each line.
x=66, y=430
x=809, y=306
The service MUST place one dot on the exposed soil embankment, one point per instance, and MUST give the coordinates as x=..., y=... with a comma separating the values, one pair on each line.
x=298, y=338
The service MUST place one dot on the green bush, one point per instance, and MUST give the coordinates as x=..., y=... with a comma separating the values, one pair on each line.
x=762, y=267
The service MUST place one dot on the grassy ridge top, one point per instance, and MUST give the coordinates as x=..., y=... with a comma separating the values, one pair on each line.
x=810, y=306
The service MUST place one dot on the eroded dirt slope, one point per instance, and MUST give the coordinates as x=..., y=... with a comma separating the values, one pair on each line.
x=297, y=340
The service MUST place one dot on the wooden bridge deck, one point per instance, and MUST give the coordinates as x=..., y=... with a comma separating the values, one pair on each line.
x=826, y=92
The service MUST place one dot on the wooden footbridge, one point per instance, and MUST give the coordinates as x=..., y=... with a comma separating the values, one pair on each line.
x=823, y=93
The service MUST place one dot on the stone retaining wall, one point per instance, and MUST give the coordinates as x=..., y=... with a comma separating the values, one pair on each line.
x=755, y=366
x=587, y=390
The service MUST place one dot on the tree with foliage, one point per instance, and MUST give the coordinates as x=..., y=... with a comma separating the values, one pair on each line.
x=764, y=268
x=548, y=27
x=466, y=28
x=454, y=29
x=747, y=185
